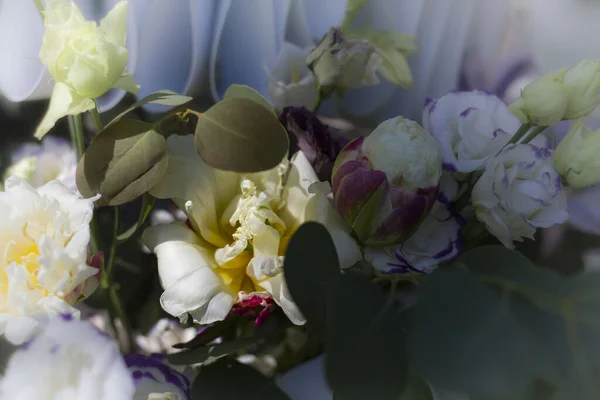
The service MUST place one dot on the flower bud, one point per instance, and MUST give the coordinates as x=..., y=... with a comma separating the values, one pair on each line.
x=386, y=183
x=576, y=156
x=341, y=63
x=544, y=101
x=583, y=81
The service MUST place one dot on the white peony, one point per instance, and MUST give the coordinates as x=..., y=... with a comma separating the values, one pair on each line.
x=39, y=163
x=470, y=127
x=68, y=360
x=240, y=227
x=519, y=192
x=44, y=235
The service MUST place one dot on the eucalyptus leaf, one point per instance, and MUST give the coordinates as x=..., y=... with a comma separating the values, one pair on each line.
x=228, y=379
x=165, y=98
x=311, y=268
x=240, y=135
x=495, y=324
x=246, y=92
x=365, y=347
x=123, y=162
x=147, y=203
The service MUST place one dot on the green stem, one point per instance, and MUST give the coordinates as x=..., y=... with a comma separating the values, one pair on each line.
x=97, y=120
x=76, y=131
x=40, y=8
x=534, y=133
x=112, y=289
x=318, y=103
x=523, y=129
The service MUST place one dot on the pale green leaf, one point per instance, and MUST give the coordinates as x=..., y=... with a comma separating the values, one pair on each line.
x=385, y=39
x=243, y=91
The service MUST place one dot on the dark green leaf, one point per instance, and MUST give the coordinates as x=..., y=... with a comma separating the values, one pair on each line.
x=495, y=324
x=246, y=92
x=241, y=135
x=228, y=379
x=365, y=347
x=311, y=267
x=147, y=203
x=123, y=162
x=165, y=98
x=198, y=355
x=416, y=389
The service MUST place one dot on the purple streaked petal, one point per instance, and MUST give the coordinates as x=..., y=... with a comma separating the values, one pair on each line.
x=153, y=368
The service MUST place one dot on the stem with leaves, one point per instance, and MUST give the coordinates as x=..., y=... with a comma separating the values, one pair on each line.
x=534, y=133
x=523, y=129
x=40, y=7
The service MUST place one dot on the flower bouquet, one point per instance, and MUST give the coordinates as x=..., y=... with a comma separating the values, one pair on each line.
x=215, y=252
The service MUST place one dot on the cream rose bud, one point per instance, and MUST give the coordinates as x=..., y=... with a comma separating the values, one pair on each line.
x=84, y=58
x=583, y=81
x=519, y=192
x=69, y=359
x=470, y=127
x=386, y=183
x=344, y=63
x=576, y=156
x=44, y=270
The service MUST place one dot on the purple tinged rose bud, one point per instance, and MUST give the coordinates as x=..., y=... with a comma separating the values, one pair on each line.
x=385, y=184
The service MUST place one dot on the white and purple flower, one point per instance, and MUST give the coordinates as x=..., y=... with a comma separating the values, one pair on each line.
x=39, y=163
x=519, y=192
x=155, y=380
x=69, y=359
x=438, y=239
x=470, y=127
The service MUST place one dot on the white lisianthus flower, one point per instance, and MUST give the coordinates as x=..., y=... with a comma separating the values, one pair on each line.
x=84, y=58
x=519, y=192
x=44, y=235
x=240, y=227
x=470, y=127
x=291, y=83
x=39, y=163
x=69, y=359
x=154, y=380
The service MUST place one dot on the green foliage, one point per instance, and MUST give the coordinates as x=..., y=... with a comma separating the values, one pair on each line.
x=246, y=92
x=123, y=162
x=365, y=348
x=165, y=98
x=311, y=269
x=239, y=134
x=147, y=203
x=228, y=379
x=494, y=324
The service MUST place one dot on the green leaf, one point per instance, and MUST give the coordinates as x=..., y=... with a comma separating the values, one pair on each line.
x=228, y=379
x=384, y=39
x=147, y=204
x=365, y=347
x=165, y=98
x=353, y=7
x=311, y=268
x=241, y=135
x=416, y=389
x=494, y=324
x=246, y=92
x=394, y=67
x=201, y=354
x=123, y=162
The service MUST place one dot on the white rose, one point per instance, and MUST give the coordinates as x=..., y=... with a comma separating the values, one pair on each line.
x=470, y=127
x=291, y=83
x=70, y=359
x=84, y=58
x=518, y=192
x=39, y=163
x=44, y=235
x=241, y=225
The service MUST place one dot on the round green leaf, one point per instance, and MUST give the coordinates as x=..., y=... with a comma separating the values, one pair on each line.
x=246, y=92
x=311, y=268
x=123, y=162
x=240, y=135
